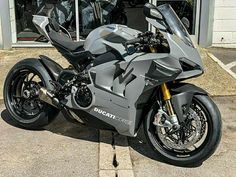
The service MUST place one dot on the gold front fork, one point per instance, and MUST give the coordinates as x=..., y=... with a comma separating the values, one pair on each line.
x=166, y=92
x=167, y=98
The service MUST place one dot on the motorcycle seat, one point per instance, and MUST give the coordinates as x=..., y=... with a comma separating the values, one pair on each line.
x=62, y=40
x=73, y=51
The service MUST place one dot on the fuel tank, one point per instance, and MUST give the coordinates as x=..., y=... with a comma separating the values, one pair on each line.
x=108, y=37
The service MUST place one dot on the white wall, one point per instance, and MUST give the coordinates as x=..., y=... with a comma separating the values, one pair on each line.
x=224, y=30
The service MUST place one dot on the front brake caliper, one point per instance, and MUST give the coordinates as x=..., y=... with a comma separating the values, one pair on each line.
x=161, y=119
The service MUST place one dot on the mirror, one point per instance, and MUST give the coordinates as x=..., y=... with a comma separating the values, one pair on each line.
x=186, y=22
x=131, y=50
x=151, y=11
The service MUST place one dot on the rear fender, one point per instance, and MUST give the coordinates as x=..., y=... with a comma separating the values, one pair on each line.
x=182, y=95
x=53, y=68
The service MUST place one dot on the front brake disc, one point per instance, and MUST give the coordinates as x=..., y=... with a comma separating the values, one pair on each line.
x=192, y=133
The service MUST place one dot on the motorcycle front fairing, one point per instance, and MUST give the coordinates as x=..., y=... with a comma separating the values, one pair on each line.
x=182, y=49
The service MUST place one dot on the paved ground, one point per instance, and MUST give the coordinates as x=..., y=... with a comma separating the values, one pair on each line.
x=226, y=56
x=215, y=80
x=65, y=149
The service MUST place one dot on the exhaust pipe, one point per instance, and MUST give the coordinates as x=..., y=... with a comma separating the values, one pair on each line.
x=48, y=97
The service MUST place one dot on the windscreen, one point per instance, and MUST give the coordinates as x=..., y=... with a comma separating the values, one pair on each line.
x=175, y=24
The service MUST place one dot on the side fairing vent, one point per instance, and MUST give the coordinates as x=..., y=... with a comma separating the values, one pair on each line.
x=188, y=65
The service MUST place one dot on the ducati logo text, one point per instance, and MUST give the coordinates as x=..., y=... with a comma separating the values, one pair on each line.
x=111, y=116
x=104, y=113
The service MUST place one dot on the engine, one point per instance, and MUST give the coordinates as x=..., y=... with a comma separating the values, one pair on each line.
x=74, y=88
x=83, y=96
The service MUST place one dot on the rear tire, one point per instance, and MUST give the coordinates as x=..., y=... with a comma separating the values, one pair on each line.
x=201, y=153
x=20, y=95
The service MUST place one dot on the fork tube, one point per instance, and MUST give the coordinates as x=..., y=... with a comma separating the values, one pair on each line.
x=166, y=92
x=167, y=97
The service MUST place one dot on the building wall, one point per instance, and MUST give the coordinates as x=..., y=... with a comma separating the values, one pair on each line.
x=224, y=30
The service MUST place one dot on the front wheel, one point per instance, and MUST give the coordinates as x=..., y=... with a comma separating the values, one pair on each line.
x=195, y=141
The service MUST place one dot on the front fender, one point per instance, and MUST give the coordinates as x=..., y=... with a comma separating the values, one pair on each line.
x=182, y=95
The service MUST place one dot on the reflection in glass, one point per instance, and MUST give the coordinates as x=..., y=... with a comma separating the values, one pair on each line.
x=62, y=10
x=95, y=13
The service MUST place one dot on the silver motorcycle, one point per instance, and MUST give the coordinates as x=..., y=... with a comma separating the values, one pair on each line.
x=118, y=79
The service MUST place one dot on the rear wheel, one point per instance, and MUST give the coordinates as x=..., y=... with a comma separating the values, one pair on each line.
x=195, y=141
x=21, y=98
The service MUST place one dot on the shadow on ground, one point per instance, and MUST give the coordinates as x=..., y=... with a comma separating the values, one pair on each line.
x=62, y=127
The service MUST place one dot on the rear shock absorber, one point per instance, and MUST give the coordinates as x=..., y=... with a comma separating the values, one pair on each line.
x=167, y=98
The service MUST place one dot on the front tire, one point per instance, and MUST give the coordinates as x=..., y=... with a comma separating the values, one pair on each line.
x=196, y=155
x=21, y=95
